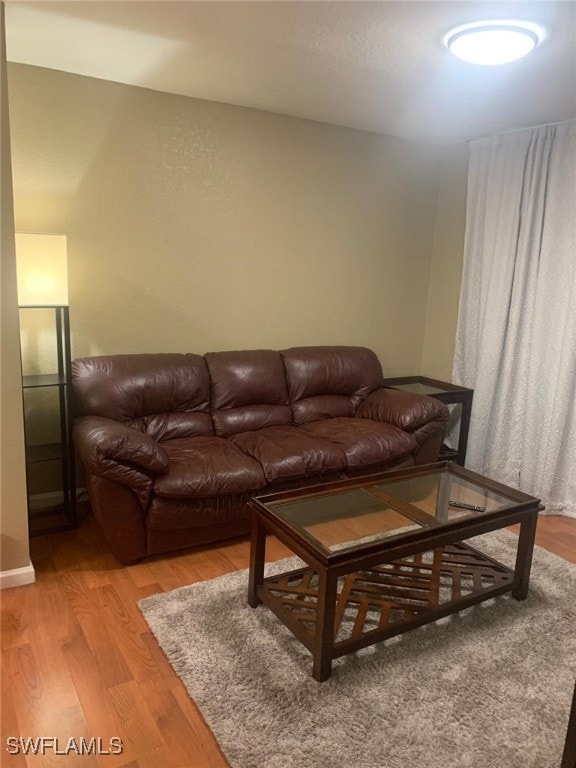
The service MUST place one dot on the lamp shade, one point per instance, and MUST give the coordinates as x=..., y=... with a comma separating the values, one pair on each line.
x=42, y=270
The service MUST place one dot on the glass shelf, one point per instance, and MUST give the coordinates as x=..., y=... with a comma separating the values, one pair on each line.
x=44, y=380
x=47, y=452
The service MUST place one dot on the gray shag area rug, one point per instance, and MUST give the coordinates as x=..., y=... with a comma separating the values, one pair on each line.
x=489, y=687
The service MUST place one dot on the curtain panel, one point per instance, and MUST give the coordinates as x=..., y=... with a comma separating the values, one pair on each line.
x=516, y=334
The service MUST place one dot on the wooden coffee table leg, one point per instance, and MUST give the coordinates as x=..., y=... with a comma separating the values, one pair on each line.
x=324, y=638
x=257, y=553
x=524, y=557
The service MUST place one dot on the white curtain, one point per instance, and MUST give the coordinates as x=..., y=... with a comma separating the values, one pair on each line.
x=516, y=337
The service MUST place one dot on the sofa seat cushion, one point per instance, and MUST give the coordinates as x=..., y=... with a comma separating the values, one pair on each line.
x=286, y=452
x=364, y=442
x=207, y=466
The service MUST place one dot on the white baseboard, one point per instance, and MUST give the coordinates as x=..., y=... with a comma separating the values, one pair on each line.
x=17, y=577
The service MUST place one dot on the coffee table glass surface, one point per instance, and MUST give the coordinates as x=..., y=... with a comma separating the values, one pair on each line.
x=376, y=511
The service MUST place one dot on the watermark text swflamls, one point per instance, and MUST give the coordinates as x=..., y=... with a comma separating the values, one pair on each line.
x=42, y=745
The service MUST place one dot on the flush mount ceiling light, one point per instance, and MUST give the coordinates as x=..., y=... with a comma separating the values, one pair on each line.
x=493, y=42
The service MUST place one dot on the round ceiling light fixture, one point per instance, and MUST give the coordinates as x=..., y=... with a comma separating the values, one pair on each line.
x=494, y=42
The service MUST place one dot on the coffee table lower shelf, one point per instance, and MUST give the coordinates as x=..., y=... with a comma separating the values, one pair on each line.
x=389, y=599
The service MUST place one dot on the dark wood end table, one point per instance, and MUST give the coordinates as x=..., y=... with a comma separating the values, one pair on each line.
x=385, y=554
x=448, y=393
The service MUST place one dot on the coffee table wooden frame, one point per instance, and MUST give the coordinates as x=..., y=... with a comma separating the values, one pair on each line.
x=445, y=539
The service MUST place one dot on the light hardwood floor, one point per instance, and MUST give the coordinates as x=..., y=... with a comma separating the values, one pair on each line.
x=78, y=659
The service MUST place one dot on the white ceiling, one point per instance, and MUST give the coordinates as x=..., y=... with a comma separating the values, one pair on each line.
x=378, y=66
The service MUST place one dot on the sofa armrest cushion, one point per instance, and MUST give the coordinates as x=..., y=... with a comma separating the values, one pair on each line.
x=402, y=409
x=119, y=453
x=98, y=438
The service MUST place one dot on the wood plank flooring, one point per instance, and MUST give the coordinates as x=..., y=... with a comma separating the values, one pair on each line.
x=78, y=660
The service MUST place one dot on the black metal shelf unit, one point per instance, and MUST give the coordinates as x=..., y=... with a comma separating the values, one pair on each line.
x=62, y=516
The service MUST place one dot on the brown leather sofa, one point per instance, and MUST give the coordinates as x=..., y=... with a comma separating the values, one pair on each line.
x=174, y=445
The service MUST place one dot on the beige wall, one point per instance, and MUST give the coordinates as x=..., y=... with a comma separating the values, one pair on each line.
x=195, y=226
x=14, y=551
x=446, y=267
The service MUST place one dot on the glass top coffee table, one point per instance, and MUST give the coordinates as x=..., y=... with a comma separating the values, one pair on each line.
x=385, y=554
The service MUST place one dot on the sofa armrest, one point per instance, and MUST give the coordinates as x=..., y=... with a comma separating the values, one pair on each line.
x=98, y=438
x=402, y=409
x=112, y=450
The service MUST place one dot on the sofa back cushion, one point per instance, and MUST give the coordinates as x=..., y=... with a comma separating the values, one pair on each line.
x=165, y=395
x=329, y=382
x=248, y=391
